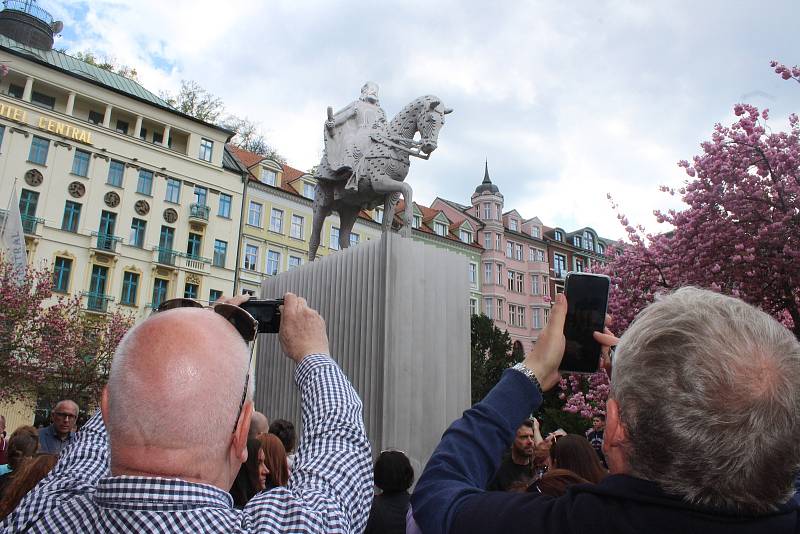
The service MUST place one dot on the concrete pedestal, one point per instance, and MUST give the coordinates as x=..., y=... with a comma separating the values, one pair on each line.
x=398, y=323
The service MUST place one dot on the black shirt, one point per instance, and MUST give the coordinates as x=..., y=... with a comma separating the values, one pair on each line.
x=388, y=514
x=509, y=472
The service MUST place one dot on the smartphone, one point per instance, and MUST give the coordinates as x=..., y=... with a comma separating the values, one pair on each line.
x=267, y=312
x=587, y=303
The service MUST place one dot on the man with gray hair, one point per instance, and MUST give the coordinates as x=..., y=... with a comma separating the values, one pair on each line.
x=178, y=407
x=702, y=431
x=56, y=436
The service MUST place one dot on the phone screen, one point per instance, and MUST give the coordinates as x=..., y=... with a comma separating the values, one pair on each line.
x=587, y=299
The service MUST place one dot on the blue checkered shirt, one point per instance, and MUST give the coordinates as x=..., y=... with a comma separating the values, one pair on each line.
x=330, y=489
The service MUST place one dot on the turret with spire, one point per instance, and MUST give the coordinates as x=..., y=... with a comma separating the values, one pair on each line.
x=487, y=193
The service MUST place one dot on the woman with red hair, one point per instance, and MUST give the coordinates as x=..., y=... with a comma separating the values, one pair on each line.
x=275, y=460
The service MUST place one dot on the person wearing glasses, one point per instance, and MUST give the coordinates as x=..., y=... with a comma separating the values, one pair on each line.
x=172, y=435
x=53, y=438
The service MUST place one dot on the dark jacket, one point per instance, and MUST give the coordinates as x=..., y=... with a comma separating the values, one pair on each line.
x=448, y=498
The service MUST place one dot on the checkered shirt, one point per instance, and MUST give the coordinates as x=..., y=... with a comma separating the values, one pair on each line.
x=330, y=489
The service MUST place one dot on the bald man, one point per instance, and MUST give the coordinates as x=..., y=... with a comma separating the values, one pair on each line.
x=259, y=424
x=56, y=436
x=177, y=425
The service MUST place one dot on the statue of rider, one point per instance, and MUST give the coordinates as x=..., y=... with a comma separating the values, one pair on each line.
x=347, y=136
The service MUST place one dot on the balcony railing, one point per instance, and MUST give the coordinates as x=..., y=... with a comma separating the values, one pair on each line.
x=196, y=263
x=97, y=302
x=30, y=224
x=29, y=7
x=199, y=211
x=106, y=242
x=166, y=256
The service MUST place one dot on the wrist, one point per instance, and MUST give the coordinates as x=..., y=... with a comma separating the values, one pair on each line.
x=530, y=373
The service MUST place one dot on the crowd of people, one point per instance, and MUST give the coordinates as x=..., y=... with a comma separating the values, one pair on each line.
x=700, y=434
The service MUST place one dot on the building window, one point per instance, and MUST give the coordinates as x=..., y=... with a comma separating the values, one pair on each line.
x=588, y=241
x=295, y=261
x=601, y=249
x=72, y=214
x=158, y=138
x=540, y=255
x=487, y=273
x=576, y=241
x=519, y=282
x=473, y=306
x=80, y=163
x=200, y=195
x=498, y=242
x=42, y=100
x=28, y=201
x=130, y=285
x=334, y=238
x=143, y=134
x=536, y=231
x=16, y=90
x=2, y=133
x=108, y=222
x=440, y=229
x=214, y=295
x=165, y=242
x=269, y=177
x=512, y=315
x=308, y=190
x=116, y=171
x=276, y=221
x=61, y=271
x=536, y=318
x=499, y=275
x=122, y=127
x=465, y=236
x=512, y=224
x=354, y=239
x=545, y=286
x=173, y=191
x=499, y=212
x=531, y=254
x=518, y=252
x=487, y=240
x=416, y=222
x=509, y=249
x=488, y=307
x=97, y=286
x=95, y=117
x=251, y=257
x=254, y=214
x=220, y=253
x=137, y=232
x=145, y=183
x=160, y=287
x=190, y=291
x=224, y=206
x=39, y=148
x=535, y=284
x=206, y=149
x=273, y=262
x=487, y=210
x=193, y=246
x=559, y=265
x=510, y=280
x=473, y=274
x=579, y=265
x=297, y=226
x=558, y=236
x=499, y=310
x=379, y=215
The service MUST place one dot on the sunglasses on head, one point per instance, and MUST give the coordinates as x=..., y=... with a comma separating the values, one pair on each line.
x=243, y=322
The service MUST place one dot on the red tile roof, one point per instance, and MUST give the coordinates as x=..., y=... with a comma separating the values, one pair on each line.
x=247, y=158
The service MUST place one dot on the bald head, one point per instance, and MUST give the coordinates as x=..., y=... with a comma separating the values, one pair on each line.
x=175, y=386
x=258, y=425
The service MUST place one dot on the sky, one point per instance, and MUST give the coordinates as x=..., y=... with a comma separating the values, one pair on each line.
x=567, y=101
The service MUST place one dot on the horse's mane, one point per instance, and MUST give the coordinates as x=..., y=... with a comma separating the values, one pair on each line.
x=406, y=117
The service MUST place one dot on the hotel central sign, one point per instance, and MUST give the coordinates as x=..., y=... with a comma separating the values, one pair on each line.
x=63, y=129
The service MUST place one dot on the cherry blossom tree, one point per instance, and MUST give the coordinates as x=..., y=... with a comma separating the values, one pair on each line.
x=50, y=347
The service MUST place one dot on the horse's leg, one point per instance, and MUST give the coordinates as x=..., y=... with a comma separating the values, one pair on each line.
x=389, y=205
x=322, y=209
x=384, y=184
x=347, y=218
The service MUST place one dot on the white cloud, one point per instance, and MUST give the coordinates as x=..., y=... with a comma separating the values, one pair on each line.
x=568, y=101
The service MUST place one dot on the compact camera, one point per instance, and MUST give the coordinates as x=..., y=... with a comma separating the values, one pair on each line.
x=267, y=312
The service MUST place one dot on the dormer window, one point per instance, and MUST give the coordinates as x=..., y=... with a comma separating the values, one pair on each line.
x=588, y=240
x=440, y=229
x=558, y=236
x=536, y=231
x=269, y=177
x=512, y=224
x=601, y=249
x=416, y=221
x=576, y=241
x=465, y=236
x=379, y=215
x=308, y=190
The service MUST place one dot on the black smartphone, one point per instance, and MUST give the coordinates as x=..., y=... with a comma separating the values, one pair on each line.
x=587, y=303
x=267, y=312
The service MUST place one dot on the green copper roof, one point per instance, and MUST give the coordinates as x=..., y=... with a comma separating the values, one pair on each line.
x=84, y=70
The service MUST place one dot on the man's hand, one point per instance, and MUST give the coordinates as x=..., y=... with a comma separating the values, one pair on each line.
x=302, y=329
x=545, y=358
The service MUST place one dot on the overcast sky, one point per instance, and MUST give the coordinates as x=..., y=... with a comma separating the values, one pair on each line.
x=568, y=101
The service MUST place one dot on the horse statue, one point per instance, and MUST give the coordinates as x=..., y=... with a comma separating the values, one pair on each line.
x=379, y=159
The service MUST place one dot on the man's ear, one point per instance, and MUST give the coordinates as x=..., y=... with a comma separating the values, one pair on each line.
x=104, y=406
x=239, y=442
x=615, y=439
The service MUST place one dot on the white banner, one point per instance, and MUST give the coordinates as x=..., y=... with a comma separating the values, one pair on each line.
x=12, y=237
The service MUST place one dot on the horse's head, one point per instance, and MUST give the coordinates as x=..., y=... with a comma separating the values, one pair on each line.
x=430, y=121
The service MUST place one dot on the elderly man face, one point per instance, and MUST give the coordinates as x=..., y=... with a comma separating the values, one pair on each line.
x=64, y=416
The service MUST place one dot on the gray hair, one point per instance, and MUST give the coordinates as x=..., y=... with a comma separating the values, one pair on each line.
x=709, y=393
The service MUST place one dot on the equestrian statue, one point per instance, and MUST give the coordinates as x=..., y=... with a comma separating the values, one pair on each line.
x=366, y=161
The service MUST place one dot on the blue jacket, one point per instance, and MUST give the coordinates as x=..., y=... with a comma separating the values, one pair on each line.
x=448, y=497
